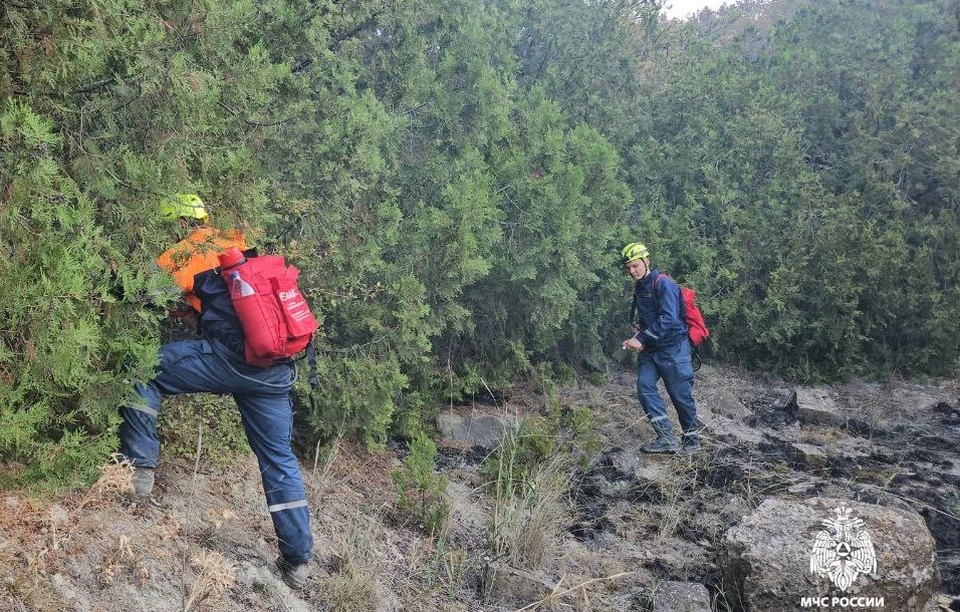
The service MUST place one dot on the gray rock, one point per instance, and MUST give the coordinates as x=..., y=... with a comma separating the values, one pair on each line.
x=776, y=407
x=734, y=509
x=622, y=474
x=809, y=455
x=614, y=476
x=475, y=428
x=672, y=596
x=818, y=406
x=766, y=560
x=622, y=462
x=731, y=407
x=783, y=399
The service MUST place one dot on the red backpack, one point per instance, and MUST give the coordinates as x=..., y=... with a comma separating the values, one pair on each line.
x=689, y=312
x=276, y=320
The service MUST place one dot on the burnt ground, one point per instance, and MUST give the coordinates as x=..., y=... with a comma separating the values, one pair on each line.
x=895, y=444
x=631, y=521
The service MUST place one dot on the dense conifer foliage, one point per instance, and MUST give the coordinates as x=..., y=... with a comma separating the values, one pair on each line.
x=455, y=180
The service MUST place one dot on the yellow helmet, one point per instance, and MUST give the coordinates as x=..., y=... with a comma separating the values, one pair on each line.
x=187, y=205
x=633, y=252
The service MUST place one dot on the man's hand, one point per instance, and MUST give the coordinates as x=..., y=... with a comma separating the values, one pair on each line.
x=632, y=345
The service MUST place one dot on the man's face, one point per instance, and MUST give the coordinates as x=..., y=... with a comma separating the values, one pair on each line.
x=637, y=269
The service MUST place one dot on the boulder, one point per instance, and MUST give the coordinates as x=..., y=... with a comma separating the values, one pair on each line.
x=768, y=560
x=732, y=407
x=475, y=428
x=810, y=456
x=818, y=406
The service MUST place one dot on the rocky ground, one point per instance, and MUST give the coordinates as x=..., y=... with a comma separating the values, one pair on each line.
x=635, y=532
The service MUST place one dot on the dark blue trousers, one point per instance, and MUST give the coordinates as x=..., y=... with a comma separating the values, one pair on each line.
x=674, y=364
x=263, y=397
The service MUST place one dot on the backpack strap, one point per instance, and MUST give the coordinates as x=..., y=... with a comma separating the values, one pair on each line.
x=656, y=294
x=312, y=360
x=694, y=350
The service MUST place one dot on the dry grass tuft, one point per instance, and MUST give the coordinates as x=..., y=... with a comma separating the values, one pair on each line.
x=434, y=577
x=528, y=526
x=114, y=481
x=354, y=587
x=679, y=487
x=19, y=585
x=219, y=518
x=28, y=555
x=121, y=559
x=557, y=598
x=215, y=576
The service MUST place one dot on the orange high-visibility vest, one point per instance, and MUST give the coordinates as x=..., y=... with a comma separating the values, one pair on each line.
x=195, y=254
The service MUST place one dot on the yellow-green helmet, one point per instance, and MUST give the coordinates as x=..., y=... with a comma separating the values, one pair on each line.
x=633, y=252
x=187, y=205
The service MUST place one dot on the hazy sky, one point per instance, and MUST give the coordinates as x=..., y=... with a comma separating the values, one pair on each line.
x=684, y=8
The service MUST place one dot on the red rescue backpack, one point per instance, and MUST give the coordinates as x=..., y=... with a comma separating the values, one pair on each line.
x=689, y=312
x=696, y=326
x=276, y=320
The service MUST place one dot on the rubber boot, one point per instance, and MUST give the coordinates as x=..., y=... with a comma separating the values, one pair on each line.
x=662, y=444
x=142, y=481
x=666, y=442
x=690, y=441
x=295, y=576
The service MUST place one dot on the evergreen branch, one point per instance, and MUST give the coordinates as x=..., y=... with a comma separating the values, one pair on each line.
x=301, y=65
x=96, y=85
x=416, y=108
x=252, y=122
x=357, y=348
x=356, y=29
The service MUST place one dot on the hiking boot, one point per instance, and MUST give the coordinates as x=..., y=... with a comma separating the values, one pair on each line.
x=662, y=444
x=142, y=481
x=295, y=576
x=690, y=447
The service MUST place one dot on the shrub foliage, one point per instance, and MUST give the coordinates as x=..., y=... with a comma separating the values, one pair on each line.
x=454, y=179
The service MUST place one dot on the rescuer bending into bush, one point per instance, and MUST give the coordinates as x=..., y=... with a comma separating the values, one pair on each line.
x=215, y=363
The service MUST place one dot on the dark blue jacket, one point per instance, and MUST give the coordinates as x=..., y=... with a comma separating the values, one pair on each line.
x=218, y=319
x=660, y=314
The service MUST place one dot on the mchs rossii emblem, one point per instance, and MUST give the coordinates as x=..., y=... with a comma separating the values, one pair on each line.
x=843, y=550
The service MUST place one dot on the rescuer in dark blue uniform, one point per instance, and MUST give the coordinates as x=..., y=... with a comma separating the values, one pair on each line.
x=664, y=351
x=215, y=363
